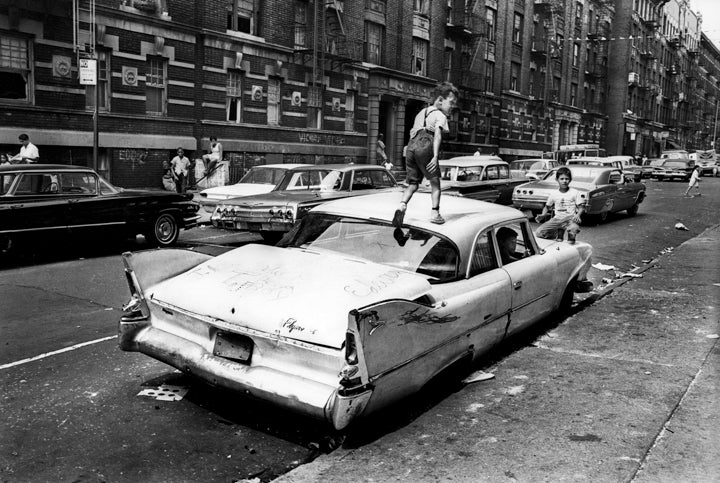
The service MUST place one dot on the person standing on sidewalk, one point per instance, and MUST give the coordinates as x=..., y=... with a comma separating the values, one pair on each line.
x=380, y=151
x=424, y=148
x=694, y=182
x=180, y=165
x=569, y=207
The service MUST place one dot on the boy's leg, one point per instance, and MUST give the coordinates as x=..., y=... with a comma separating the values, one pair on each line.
x=435, y=197
x=548, y=230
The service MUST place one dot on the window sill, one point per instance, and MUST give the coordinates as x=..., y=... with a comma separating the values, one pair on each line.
x=161, y=15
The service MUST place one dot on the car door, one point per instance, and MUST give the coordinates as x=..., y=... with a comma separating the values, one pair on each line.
x=90, y=212
x=407, y=342
x=624, y=196
x=533, y=279
x=35, y=206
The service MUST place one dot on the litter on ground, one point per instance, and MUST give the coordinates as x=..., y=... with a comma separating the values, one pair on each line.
x=478, y=376
x=680, y=226
x=602, y=266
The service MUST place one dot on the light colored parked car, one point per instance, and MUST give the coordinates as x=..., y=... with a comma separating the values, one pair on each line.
x=349, y=314
x=259, y=180
x=532, y=168
x=606, y=190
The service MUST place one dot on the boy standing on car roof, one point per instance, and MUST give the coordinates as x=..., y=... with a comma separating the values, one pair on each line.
x=424, y=148
x=569, y=207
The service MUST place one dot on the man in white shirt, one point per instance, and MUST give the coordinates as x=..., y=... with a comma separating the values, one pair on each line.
x=180, y=165
x=28, y=151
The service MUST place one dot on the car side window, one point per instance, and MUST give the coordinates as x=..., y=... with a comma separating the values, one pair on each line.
x=503, y=172
x=513, y=242
x=381, y=179
x=615, y=177
x=78, y=183
x=362, y=181
x=37, y=184
x=483, y=255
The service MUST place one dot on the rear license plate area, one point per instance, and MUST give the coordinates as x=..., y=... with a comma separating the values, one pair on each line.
x=233, y=346
x=253, y=226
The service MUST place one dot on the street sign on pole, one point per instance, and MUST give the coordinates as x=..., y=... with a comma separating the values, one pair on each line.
x=87, y=71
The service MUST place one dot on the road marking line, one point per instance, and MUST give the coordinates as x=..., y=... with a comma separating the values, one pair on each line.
x=59, y=351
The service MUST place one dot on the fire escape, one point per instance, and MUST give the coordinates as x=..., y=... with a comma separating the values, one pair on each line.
x=467, y=24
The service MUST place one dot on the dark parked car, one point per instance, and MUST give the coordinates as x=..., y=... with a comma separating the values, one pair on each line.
x=37, y=200
x=678, y=168
x=275, y=213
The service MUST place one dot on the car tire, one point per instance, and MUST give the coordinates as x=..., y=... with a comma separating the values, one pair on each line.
x=632, y=211
x=271, y=237
x=602, y=217
x=567, y=298
x=164, y=231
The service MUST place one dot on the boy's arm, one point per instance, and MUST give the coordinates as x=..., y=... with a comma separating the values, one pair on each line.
x=579, y=209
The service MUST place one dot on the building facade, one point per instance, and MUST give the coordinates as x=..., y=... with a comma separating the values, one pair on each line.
x=317, y=81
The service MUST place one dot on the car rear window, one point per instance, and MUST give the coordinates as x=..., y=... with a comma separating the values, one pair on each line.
x=675, y=164
x=5, y=182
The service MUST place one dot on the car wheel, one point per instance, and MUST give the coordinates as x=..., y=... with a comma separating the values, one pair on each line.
x=567, y=298
x=271, y=237
x=632, y=211
x=602, y=217
x=164, y=231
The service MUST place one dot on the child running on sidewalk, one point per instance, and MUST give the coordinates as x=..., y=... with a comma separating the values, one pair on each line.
x=569, y=207
x=424, y=148
x=694, y=182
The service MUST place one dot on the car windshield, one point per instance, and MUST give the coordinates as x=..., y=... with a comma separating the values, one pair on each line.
x=578, y=175
x=411, y=249
x=316, y=179
x=263, y=175
x=675, y=164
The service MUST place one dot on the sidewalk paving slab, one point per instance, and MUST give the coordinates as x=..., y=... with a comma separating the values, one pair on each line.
x=625, y=390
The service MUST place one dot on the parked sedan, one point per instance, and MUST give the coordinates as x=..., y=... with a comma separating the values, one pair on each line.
x=349, y=314
x=259, y=180
x=672, y=169
x=37, y=200
x=484, y=178
x=532, y=168
x=605, y=190
x=274, y=213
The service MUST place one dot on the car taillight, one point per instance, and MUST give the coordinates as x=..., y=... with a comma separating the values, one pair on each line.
x=351, y=355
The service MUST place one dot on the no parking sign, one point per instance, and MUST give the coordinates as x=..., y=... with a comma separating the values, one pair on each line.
x=87, y=71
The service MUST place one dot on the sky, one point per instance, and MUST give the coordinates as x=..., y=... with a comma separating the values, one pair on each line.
x=710, y=10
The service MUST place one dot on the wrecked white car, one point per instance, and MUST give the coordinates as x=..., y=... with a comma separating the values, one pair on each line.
x=348, y=314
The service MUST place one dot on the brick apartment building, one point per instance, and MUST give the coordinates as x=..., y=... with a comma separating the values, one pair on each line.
x=316, y=81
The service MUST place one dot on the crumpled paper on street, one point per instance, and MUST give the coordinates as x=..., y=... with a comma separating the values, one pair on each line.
x=478, y=376
x=680, y=226
x=602, y=266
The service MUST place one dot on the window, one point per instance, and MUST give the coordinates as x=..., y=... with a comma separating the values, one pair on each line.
x=419, y=60
x=421, y=6
x=573, y=94
x=447, y=65
x=33, y=184
x=373, y=42
x=379, y=6
x=242, y=16
x=490, y=19
x=156, y=86
x=300, y=24
x=514, y=76
x=15, y=73
x=483, y=256
x=103, y=84
x=489, y=76
x=513, y=242
x=274, y=102
x=350, y=110
x=75, y=183
x=576, y=55
x=315, y=105
x=234, y=96
x=517, y=28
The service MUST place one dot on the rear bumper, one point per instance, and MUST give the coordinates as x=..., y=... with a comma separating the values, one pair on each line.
x=527, y=204
x=253, y=226
x=288, y=391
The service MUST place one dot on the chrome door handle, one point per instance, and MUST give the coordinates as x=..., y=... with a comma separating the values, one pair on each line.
x=517, y=285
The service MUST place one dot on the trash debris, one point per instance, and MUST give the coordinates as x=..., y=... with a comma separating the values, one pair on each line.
x=666, y=250
x=165, y=392
x=647, y=373
x=478, y=376
x=680, y=226
x=713, y=336
x=602, y=266
x=647, y=261
x=606, y=281
x=630, y=274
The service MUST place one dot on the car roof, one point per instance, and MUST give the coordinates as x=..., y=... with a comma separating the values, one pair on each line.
x=42, y=167
x=596, y=159
x=456, y=210
x=340, y=167
x=530, y=160
x=283, y=166
x=466, y=161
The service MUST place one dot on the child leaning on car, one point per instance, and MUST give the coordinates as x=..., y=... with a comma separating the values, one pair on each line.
x=569, y=207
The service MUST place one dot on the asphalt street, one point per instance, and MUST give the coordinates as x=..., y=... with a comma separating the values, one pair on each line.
x=571, y=402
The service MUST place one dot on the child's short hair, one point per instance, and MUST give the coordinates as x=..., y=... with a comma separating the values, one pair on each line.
x=563, y=170
x=444, y=89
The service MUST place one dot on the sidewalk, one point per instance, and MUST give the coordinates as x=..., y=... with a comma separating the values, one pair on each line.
x=625, y=390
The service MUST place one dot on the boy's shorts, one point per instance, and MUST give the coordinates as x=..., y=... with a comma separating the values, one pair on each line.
x=419, y=154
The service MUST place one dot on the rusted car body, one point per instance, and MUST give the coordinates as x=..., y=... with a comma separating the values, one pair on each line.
x=605, y=190
x=348, y=314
